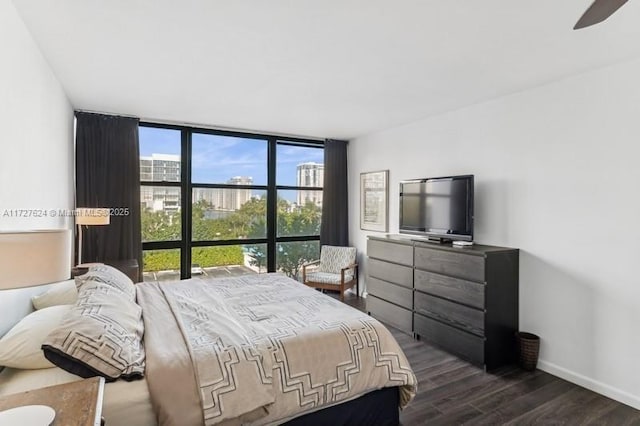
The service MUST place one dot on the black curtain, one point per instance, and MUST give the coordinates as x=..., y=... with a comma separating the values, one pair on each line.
x=108, y=175
x=335, y=214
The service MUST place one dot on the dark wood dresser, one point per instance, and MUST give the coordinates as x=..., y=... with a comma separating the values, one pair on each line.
x=464, y=300
x=390, y=281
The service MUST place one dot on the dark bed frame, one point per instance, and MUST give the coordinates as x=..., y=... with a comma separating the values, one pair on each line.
x=378, y=408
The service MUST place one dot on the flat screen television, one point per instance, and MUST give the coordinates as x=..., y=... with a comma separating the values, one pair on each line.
x=438, y=208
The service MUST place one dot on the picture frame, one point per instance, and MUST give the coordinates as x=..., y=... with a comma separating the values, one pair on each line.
x=374, y=201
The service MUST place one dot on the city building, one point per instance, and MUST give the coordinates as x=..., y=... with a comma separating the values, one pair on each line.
x=235, y=198
x=227, y=199
x=160, y=168
x=311, y=175
x=214, y=197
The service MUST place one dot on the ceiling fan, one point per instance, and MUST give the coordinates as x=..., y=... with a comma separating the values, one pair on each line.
x=598, y=12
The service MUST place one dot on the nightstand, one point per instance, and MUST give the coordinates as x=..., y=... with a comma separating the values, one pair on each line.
x=76, y=403
x=129, y=267
x=77, y=271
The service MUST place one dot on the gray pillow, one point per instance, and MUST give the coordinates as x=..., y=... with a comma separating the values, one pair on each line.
x=101, y=335
x=111, y=276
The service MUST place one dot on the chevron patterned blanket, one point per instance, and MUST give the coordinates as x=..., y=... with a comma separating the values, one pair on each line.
x=260, y=349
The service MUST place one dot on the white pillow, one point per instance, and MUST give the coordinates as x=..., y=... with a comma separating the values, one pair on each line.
x=62, y=293
x=21, y=346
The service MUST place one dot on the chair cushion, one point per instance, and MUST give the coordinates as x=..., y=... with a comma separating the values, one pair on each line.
x=333, y=259
x=327, y=278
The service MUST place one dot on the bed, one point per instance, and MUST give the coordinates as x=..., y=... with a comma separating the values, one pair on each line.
x=259, y=349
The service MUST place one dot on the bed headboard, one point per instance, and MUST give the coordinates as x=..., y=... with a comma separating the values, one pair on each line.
x=29, y=260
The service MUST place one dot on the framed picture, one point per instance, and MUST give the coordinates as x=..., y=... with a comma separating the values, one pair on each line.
x=374, y=203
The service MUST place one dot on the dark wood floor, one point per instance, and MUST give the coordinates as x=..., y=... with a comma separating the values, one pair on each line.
x=452, y=391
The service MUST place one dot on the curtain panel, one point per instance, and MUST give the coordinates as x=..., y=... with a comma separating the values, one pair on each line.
x=108, y=176
x=335, y=213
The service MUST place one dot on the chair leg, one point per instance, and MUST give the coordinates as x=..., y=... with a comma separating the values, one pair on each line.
x=341, y=294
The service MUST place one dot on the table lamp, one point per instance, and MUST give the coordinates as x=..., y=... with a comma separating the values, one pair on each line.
x=89, y=217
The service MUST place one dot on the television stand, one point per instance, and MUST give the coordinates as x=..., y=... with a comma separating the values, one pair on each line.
x=463, y=300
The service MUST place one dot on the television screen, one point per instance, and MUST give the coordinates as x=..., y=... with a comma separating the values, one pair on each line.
x=438, y=207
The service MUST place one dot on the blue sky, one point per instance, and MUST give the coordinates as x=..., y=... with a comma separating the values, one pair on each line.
x=216, y=159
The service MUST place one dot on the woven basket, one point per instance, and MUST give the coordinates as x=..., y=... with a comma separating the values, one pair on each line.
x=529, y=345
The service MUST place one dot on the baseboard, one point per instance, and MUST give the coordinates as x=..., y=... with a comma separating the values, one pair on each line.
x=594, y=385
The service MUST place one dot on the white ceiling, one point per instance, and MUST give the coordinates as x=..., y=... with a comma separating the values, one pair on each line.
x=323, y=68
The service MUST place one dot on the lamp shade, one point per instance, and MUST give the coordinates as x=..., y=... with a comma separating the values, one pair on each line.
x=92, y=216
x=29, y=258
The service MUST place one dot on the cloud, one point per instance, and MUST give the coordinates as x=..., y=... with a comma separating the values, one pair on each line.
x=299, y=154
x=218, y=158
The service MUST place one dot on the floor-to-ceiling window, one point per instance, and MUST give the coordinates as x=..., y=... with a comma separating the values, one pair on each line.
x=161, y=201
x=218, y=203
x=299, y=179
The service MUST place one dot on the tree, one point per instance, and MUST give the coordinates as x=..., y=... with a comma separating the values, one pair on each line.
x=249, y=221
x=290, y=256
x=204, y=229
x=160, y=226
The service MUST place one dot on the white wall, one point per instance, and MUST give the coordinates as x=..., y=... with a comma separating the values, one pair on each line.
x=36, y=132
x=557, y=176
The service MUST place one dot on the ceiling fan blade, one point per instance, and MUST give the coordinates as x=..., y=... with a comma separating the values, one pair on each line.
x=598, y=12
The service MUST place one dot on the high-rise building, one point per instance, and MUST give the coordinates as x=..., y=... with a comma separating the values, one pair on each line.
x=235, y=198
x=214, y=197
x=162, y=168
x=166, y=199
x=166, y=168
x=228, y=199
x=310, y=174
x=146, y=169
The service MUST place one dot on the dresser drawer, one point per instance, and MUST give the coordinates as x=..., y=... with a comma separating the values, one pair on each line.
x=397, y=274
x=390, y=292
x=391, y=252
x=461, y=316
x=461, y=265
x=388, y=312
x=466, y=345
x=467, y=292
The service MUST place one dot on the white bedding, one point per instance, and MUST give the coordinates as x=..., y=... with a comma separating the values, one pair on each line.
x=125, y=403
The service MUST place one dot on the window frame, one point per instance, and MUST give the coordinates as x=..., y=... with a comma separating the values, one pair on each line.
x=295, y=188
x=186, y=243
